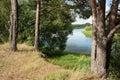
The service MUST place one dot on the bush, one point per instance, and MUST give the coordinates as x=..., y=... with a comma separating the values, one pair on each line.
x=114, y=66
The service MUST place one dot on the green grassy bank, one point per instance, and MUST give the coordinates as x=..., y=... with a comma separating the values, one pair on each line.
x=72, y=61
x=81, y=63
x=88, y=31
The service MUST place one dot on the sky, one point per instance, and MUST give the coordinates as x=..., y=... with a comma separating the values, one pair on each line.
x=89, y=20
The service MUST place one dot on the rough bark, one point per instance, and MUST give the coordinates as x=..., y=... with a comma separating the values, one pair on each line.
x=101, y=40
x=98, y=55
x=36, y=44
x=94, y=37
x=13, y=25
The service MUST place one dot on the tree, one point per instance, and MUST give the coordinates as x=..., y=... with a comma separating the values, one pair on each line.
x=81, y=7
x=36, y=45
x=104, y=27
x=13, y=25
x=57, y=25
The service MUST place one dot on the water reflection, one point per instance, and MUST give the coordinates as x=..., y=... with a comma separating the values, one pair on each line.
x=78, y=42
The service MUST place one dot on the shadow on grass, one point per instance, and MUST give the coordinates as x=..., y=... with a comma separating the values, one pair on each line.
x=55, y=54
x=25, y=50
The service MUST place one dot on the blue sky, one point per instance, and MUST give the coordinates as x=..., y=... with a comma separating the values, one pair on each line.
x=89, y=20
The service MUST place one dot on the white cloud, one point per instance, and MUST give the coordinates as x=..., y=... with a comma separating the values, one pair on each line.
x=107, y=8
x=89, y=20
x=82, y=21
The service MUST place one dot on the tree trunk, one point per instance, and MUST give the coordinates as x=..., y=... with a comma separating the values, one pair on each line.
x=14, y=25
x=98, y=60
x=99, y=44
x=102, y=36
x=36, y=44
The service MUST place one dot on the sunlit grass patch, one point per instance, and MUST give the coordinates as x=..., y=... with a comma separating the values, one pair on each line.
x=88, y=31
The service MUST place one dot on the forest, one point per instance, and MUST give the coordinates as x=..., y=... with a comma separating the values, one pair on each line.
x=38, y=40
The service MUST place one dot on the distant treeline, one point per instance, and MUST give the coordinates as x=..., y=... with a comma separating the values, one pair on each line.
x=81, y=25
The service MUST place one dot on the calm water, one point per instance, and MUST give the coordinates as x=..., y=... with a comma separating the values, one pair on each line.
x=78, y=42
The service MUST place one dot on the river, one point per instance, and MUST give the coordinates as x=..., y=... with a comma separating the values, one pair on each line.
x=78, y=42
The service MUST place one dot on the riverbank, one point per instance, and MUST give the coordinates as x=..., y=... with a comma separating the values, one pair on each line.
x=79, y=26
x=88, y=31
x=26, y=64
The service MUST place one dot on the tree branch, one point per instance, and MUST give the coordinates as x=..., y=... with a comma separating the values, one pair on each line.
x=107, y=16
x=112, y=16
x=93, y=4
x=53, y=8
x=94, y=12
x=113, y=13
x=110, y=35
x=94, y=15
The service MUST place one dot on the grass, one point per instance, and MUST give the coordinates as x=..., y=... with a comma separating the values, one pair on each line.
x=72, y=61
x=2, y=63
x=27, y=64
x=81, y=63
x=57, y=76
x=88, y=31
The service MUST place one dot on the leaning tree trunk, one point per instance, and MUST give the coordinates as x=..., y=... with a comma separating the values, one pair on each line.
x=13, y=25
x=36, y=44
